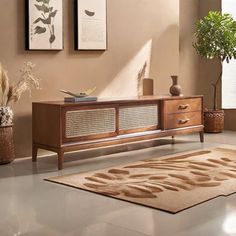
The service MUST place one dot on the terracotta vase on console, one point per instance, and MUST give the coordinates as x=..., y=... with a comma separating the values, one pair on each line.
x=175, y=89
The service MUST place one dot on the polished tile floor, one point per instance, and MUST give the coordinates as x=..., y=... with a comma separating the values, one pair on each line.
x=31, y=206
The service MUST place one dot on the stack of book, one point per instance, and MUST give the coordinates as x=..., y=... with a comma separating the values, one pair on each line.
x=80, y=99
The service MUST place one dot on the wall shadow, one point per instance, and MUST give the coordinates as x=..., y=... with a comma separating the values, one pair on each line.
x=23, y=135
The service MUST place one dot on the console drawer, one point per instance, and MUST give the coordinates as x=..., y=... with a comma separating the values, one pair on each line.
x=182, y=105
x=173, y=121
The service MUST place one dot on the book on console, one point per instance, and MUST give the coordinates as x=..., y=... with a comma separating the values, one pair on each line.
x=80, y=99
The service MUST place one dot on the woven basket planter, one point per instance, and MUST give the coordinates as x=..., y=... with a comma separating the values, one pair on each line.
x=214, y=121
x=7, y=153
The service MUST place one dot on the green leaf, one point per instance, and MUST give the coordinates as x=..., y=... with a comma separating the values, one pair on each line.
x=44, y=21
x=39, y=30
x=52, y=38
x=44, y=1
x=53, y=14
x=89, y=13
x=39, y=7
x=216, y=36
x=43, y=8
x=37, y=20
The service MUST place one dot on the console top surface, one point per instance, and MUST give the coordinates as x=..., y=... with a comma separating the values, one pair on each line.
x=141, y=99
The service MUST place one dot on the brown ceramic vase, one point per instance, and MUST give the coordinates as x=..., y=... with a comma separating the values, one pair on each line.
x=175, y=89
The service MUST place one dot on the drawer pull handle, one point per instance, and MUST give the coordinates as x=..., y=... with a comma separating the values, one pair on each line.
x=183, y=121
x=183, y=107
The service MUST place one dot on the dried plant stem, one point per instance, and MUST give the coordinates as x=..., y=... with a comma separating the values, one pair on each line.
x=4, y=86
x=28, y=80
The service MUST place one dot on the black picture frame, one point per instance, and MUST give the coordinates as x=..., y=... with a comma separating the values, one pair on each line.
x=39, y=35
x=81, y=21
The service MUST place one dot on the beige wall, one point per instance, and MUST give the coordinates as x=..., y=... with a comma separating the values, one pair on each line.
x=201, y=72
x=196, y=73
x=208, y=69
x=188, y=59
x=139, y=31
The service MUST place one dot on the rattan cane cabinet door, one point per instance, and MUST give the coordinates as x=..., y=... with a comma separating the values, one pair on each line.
x=138, y=118
x=81, y=124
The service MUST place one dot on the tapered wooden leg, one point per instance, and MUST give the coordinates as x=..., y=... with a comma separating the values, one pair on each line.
x=173, y=139
x=34, y=153
x=60, y=160
x=201, y=134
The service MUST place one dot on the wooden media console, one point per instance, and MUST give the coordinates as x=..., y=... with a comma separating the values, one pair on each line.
x=63, y=127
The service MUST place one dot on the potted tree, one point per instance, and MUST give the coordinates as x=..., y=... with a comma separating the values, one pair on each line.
x=215, y=39
x=8, y=95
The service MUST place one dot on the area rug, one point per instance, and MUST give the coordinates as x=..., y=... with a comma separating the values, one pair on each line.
x=170, y=183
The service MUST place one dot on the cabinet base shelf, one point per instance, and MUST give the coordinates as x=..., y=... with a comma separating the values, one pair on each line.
x=119, y=140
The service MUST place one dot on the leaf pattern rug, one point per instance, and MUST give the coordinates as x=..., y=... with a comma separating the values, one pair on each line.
x=170, y=183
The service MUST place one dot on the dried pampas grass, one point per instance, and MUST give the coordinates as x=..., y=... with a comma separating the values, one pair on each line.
x=4, y=85
x=12, y=93
x=0, y=76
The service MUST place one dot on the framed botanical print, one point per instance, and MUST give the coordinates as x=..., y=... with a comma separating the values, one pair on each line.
x=44, y=25
x=91, y=25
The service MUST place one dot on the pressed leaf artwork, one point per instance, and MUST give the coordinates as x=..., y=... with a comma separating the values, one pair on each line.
x=45, y=24
x=89, y=13
x=91, y=29
x=48, y=14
